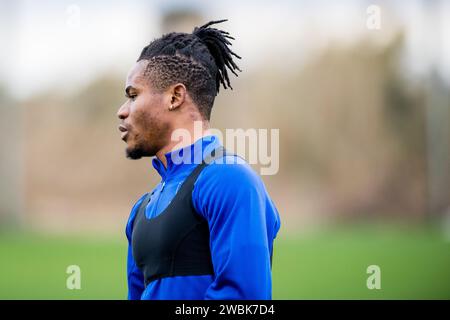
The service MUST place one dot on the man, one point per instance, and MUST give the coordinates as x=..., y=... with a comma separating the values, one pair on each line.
x=207, y=230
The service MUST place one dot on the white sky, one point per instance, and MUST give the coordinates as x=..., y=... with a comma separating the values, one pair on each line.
x=43, y=46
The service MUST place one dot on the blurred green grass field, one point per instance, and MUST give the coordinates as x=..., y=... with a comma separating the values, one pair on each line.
x=414, y=262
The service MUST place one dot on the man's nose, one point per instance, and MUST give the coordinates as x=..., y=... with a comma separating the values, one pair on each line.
x=123, y=111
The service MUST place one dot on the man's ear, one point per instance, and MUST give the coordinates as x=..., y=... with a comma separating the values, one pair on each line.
x=178, y=92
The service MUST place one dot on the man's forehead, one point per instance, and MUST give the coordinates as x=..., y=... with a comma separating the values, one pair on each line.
x=136, y=74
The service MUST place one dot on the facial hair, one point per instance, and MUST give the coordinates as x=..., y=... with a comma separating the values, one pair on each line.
x=149, y=140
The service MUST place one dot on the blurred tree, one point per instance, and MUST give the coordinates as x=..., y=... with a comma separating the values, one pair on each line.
x=11, y=164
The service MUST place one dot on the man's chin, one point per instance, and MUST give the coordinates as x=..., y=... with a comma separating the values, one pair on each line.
x=138, y=152
x=133, y=153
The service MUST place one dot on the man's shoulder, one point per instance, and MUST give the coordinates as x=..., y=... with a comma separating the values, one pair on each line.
x=229, y=169
x=225, y=185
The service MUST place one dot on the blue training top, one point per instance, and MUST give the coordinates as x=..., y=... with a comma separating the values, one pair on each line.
x=242, y=219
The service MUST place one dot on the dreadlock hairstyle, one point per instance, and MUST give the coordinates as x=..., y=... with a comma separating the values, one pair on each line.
x=199, y=60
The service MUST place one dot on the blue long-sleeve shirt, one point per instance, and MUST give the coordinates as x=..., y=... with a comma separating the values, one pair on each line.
x=242, y=220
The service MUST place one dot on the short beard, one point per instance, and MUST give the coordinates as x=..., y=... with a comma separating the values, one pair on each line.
x=138, y=152
x=134, y=153
x=146, y=149
x=149, y=140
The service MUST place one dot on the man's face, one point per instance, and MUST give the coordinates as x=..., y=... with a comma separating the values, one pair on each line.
x=144, y=124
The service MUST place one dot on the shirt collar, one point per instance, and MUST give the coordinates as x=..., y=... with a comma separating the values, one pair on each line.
x=191, y=155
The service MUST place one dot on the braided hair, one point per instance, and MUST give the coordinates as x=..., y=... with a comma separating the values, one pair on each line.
x=199, y=60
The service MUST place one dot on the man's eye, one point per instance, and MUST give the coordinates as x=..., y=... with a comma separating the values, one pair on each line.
x=132, y=97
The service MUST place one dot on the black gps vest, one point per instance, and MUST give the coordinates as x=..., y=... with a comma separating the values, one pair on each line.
x=175, y=242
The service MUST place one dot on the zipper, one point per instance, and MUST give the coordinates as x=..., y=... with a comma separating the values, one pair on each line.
x=159, y=196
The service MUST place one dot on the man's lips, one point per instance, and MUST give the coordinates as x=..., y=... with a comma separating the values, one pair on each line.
x=124, y=131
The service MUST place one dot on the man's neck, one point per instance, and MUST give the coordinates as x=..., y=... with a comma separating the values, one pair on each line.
x=190, y=134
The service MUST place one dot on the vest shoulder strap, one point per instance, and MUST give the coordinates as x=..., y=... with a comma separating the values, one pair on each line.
x=190, y=180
